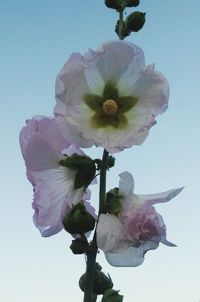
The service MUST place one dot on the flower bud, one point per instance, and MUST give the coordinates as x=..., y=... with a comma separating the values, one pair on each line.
x=112, y=295
x=101, y=281
x=115, y=4
x=78, y=221
x=135, y=21
x=131, y=3
x=79, y=246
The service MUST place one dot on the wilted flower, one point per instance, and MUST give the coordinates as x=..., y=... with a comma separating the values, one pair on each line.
x=54, y=194
x=109, y=97
x=138, y=228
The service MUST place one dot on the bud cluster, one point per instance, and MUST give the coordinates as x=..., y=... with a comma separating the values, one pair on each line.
x=134, y=21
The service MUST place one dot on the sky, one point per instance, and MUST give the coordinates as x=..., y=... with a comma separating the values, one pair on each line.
x=36, y=39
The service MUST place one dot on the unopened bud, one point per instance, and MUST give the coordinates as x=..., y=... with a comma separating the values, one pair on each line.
x=135, y=21
x=115, y=4
x=131, y=3
x=78, y=221
x=101, y=281
x=79, y=246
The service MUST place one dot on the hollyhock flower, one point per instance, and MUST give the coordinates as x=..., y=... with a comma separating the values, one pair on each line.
x=109, y=97
x=54, y=195
x=138, y=228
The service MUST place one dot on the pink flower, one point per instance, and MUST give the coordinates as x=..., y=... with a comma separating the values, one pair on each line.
x=43, y=147
x=125, y=238
x=108, y=97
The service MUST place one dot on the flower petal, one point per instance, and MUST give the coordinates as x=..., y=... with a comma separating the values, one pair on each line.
x=54, y=196
x=108, y=54
x=159, y=197
x=132, y=256
x=110, y=234
x=39, y=155
x=126, y=185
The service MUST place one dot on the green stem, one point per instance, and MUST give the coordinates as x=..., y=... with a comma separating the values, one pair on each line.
x=121, y=16
x=90, y=270
x=92, y=252
x=102, y=190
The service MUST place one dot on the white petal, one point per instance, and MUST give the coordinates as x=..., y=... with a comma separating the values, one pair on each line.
x=39, y=155
x=113, y=59
x=71, y=132
x=131, y=257
x=159, y=197
x=126, y=185
x=110, y=233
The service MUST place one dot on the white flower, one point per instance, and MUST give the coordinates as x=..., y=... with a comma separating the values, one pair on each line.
x=43, y=147
x=138, y=228
x=108, y=97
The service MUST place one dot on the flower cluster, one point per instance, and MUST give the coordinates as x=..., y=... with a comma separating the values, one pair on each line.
x=107, y=98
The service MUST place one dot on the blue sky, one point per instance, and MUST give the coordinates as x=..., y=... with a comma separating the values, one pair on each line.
x=36, y=38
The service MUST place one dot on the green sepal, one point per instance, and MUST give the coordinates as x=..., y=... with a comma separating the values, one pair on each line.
x=79, y=246
x=75, y=161
x=78, y=221
x=85, y=166
x=135, y=21
x=85, y=176
x=131, y=3
x=111, y=161
x=113, y=202
x=112, y=295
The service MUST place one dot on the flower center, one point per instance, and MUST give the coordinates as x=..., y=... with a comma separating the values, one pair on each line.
x=110, y=107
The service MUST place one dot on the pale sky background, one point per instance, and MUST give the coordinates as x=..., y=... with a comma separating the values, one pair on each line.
x=36, y=39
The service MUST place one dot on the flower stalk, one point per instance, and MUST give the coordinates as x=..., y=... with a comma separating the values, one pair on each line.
x=92, y=251
x=121, y=24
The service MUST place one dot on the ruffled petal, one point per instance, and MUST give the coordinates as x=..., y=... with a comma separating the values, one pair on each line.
x=112, y=59
x=132, y=256
x=110, y=234
x=48, y=130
